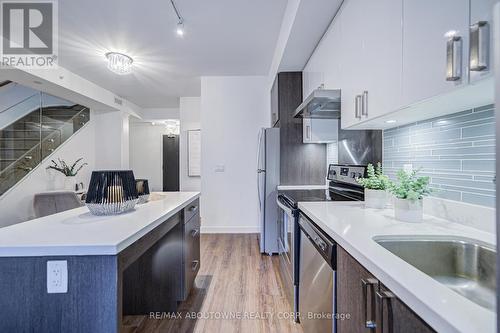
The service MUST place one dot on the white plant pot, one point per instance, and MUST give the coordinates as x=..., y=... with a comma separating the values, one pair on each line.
x=69, y=183
x=408, y=210
x=375, y=198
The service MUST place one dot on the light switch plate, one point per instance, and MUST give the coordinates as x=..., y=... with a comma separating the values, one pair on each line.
x=220, y=168
x=57, y=276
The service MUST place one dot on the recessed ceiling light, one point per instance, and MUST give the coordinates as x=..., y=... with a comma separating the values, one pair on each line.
x=119, y=63
x=180, y=29
x=391, y=121
x=180, y=20
x=450, y=33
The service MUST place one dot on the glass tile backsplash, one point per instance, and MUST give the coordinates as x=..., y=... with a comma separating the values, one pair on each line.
x=456, y=151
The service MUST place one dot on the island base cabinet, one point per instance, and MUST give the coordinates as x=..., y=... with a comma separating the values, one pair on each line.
x=153, y=281
x=370, y=305
x=191, y=258
x=89, y=305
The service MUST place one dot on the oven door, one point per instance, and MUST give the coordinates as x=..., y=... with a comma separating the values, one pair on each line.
x=285, y=230
x=286, y=244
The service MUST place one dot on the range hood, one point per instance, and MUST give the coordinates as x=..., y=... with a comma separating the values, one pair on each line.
x=321, y=103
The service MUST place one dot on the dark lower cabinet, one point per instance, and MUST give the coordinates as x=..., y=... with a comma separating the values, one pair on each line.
x=191, y=254
x=355, y=286
x=152, y=282
x=371, y=306
x=393, y=316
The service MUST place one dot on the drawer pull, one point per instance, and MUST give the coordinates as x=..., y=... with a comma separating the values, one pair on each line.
x=385, y=296
x=195, y=264
x=192, y=208
x=369, y=323
x=195, y=232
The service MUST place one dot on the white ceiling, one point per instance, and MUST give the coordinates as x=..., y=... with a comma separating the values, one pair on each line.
x=223, y=37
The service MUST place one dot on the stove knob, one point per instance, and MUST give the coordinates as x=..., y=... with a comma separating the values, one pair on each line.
x=360, y=175
x=334, y=172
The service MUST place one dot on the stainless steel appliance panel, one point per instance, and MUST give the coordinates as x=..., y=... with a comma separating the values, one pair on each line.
x=286, y=243
x=360, y=147
x=317, y=280
x=268, y=176
x=316, y=291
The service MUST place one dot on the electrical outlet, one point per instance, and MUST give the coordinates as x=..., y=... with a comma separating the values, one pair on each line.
x=57, y=276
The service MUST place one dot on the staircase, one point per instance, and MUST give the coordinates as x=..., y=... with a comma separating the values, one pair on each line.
x=29, y=140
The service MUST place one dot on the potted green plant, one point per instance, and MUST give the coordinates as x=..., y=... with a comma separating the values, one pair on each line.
x=68, y=171
x=376, y=185
x=409, y=192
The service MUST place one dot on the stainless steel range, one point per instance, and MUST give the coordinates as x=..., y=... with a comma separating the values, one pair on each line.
x=342, y=187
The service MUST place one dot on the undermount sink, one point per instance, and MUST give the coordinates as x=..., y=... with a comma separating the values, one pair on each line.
x=464, y=265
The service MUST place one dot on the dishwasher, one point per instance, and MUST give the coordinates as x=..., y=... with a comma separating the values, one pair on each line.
x=317, y=278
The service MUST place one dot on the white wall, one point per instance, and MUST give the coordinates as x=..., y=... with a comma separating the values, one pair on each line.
x=17, y=204
x=146, y=147
x=160, y=113
x=112, y=140
x=233, y=109
x=190, y=120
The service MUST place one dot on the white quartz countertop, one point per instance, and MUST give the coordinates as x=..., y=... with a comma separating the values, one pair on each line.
x=353, y=227
x=77, y=232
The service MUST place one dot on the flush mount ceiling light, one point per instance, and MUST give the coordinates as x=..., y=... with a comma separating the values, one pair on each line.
x=180, y=21
x=391, y=121
x=119, y=63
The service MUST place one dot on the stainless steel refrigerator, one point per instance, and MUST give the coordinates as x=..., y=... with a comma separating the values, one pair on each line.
x=268, y=178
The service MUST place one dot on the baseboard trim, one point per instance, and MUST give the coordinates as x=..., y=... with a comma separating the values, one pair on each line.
x=229, y=229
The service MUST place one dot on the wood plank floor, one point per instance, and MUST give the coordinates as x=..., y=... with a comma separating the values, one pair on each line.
x=234, y=279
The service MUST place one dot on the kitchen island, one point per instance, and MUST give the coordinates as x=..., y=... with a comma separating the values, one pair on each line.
x=134, y=263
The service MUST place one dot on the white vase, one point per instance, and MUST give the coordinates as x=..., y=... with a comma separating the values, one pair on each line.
x=69, y=183
x=408, y=210
x=375, y=198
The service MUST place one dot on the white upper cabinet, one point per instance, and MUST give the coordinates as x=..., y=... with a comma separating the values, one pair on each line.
x=382, y=57
x=323, y=68
x=351, y=59
x=371, y=60
x=405, y=60
x=435, y=48
x=481, y=39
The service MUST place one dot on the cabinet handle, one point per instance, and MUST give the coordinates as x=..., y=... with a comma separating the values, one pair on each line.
x=369, y=323
x=479, y=46
x=454, y=58
x=194, y=264
x=308, y=132
x=192, y=208
x=364, y=104
x=194, y=232
x=357, y=106
x=381, y=297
